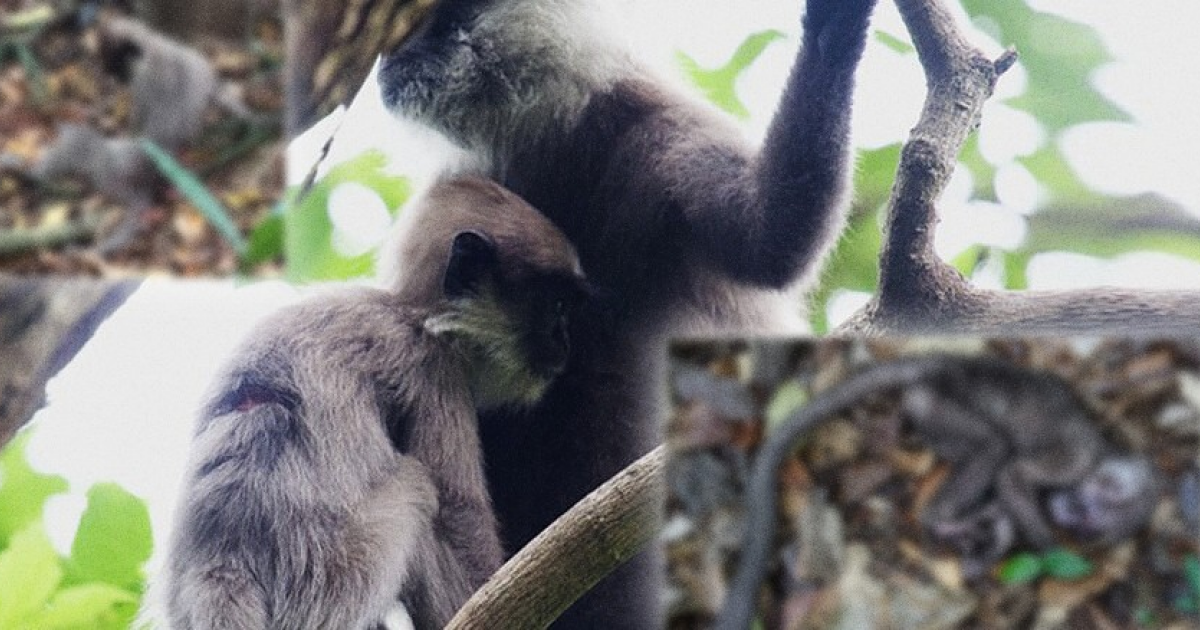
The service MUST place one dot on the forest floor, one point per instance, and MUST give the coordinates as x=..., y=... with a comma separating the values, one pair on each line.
x=65, y=76
x=850, y=550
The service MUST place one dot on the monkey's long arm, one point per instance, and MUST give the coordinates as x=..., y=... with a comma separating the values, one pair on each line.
x=765, y=221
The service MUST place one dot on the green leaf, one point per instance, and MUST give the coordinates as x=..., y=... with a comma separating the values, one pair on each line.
x=1051, y=170
x=720, y=84
x=874, y=175
x=853, y=265
x=1191, y=572
x=1021, y=568
x=196, y=192
x=23, y=491
x=1059, y=57
x=1065, y=564
x=266, y=241
x=113, y=540
x=1016, y=267
x=895, y=43
x=308, y=231
x=1115, y=226
x=969, y=261
x=89, y=607
x=983, y=173
x=29, y=573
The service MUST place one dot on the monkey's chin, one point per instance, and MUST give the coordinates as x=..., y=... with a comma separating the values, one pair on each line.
x=510, y=390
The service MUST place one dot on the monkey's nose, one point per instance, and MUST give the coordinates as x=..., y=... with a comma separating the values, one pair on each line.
x=549, y=359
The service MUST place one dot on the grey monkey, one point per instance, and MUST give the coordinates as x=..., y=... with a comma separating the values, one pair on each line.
x=336, y=466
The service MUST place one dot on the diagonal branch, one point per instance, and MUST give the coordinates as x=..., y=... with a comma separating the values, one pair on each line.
x=600, y=533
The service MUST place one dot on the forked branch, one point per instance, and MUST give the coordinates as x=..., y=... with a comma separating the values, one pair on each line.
x=918, y=292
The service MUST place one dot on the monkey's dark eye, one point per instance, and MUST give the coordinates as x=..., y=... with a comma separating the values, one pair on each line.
x=249, y=395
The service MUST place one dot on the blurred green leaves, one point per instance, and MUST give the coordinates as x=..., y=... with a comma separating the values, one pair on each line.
x=308, y=230
x=99, y=586
x=720, y=84
x=196, y=193
x=1057, y=563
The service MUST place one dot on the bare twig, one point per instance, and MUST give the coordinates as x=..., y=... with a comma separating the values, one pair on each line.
x=600, y=533
x=918, y=292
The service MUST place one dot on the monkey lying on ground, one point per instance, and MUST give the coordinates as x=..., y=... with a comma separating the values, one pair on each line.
x=685, y=226
x=336, y=467
x=1021, y=432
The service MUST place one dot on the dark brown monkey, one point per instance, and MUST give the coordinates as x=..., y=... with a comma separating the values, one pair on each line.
x=687, y=228
x=337, y=468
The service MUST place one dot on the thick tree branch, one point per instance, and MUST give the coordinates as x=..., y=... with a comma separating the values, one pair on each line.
x=592, y=539
x=918, y=292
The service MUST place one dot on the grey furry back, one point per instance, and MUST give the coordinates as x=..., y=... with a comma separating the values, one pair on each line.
x=299, y=512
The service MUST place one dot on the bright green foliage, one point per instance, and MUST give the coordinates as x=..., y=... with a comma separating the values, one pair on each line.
x=196, y=193
x=1190, y=602
x=1115, y=228
x=92, y=606
x=113, y=539
x=1065, y=565
x=308, y=230
x=1020, y=569
x=29, y=574
x=895, y=43
x=874, y=175
x=1057, y=563
x=23, y=491
x=1059, y=56
x=266, y=240
x=100, y=586
x=720, y=84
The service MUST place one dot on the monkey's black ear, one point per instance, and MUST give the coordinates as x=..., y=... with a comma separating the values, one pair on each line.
x=472, y=257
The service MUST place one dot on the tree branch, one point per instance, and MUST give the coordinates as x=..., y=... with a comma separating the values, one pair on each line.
x=918, y=292
x=592, y=539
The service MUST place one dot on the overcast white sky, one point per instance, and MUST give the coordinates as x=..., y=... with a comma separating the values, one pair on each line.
x=122, y=410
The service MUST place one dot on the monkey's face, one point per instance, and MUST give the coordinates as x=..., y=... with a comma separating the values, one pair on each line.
x=482, y=71
x=1111, y=502
x=510, y=316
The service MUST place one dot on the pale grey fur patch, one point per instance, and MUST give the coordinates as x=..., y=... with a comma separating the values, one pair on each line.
x=548, y=58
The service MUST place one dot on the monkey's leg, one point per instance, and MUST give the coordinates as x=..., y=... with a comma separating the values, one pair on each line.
x=975, y=449
x=1018, y=484
x=799, y=181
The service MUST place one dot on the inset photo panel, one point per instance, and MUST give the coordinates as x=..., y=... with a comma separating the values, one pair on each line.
x=933, y=483
x=139, y=137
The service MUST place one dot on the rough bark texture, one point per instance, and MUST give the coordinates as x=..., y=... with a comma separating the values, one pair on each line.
x=602, y=531
x=331, y=47
x=43, y=323
x=918, y=292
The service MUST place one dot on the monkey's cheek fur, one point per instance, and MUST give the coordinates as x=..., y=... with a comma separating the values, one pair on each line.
x=1083, y=518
